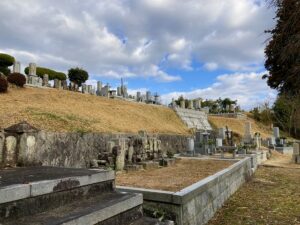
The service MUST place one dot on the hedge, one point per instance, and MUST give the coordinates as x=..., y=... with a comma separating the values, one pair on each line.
x=6, y=60
x=41, y=71
x=17, y=79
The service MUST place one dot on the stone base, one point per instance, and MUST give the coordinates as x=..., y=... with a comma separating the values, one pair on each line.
x=133, y=167
x=296, y=159
x=167, y=162
x=150, y=165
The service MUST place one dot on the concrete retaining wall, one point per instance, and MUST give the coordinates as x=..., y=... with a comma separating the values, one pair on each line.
x=196, y=204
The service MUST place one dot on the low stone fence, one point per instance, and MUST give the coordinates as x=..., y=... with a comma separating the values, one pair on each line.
x=197, y=204
x=230, y=115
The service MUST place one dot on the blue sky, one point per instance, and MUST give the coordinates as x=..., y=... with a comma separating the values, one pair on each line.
x=195, y=48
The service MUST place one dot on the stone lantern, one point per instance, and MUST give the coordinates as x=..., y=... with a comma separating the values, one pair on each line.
x=19, y=144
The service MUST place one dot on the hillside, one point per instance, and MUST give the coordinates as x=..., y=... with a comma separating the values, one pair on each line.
x=58, y=110
x=238, y=125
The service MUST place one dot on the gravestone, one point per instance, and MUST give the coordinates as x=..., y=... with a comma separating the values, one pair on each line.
x=64, y=84
x=276, y=132
x=248, y=133
x=45, y=80
x=84, y=88
x=182, y=104
x=99, y=87
x=56, y=83
x=219, y=142
x=17, y=67
x=90, y=89
x=296, y=153
x=32, y=69
x=221, y=133
x=190, y=104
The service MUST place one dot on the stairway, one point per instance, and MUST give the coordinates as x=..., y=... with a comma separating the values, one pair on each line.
x=53, y=196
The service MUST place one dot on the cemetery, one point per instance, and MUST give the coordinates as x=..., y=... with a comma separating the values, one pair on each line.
x=150, y=165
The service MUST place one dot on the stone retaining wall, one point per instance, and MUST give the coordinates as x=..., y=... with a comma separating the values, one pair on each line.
x=197, y=204
x=69, y=149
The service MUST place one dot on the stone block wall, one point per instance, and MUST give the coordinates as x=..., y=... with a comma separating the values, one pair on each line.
x=197, y=204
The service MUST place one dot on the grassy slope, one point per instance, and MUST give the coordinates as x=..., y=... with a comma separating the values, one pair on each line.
x=58, y=110
x=238, y=125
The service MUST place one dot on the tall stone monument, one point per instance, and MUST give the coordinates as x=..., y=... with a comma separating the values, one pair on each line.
x=248, y=133
x=46, y=80
x=276, y=132
x=17, y=67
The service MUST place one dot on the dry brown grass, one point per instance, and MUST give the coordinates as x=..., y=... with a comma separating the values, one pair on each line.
x=173, y=178
x=238, y=125
x=59, y=110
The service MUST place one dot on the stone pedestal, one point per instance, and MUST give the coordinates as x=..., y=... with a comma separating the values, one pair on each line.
x=46, y=80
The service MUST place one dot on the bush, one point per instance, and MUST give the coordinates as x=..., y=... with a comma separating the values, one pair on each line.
x=6, y=60
x=78, y=75
x=17, y=79
x=41, y=71
x=3, y=85
x=5, y=70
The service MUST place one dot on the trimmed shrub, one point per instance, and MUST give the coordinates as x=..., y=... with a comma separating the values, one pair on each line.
x=5, y=70
x=3, y=85
x=17, y=79
x=6, y=60
x=78, y=75
x=40, y=71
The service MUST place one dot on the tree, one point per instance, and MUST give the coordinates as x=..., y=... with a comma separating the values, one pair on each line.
x=283, y=50
x=5, y=62
x=78, y=75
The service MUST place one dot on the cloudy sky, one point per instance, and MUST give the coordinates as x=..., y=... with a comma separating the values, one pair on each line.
x=195, y=48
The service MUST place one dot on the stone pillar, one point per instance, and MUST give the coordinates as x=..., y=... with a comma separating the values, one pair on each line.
x=248, y=133
x=138, y=96
x=276, y=132
x=219, y=142
x=56, y=83
x=83, y=88
x=118, y=91
x=99, y=87
x=90, y=89
x=190, y=145
x=296, y=153
x=45, y=80
x=20, y=144
x=17, y=67
x=190, y=105
x=182, y=104
x=64, y=84
x=32, y=69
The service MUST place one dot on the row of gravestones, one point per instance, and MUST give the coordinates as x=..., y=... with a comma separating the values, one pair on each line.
x=129, y=151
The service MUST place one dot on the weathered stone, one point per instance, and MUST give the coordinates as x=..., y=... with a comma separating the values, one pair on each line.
x=248, y=133
x=130, y=153
x=46, y=80
x=64, y=85
x=296, y=150
x=276, y=132
x=32, y=69
x=17, y=67
x=2, y=140
x=11, y=145
x=182, y=104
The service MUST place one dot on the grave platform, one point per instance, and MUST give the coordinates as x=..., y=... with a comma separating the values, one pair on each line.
x=53, y=196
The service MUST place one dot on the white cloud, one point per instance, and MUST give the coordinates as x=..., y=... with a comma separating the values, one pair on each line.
x=248, y=88
x=130, y=38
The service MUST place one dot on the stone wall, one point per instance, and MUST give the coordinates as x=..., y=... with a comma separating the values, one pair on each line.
x=79, y=149
x=197, y=204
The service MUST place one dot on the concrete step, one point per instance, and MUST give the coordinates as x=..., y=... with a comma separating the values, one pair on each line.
x=28, y=191
x=114, y=208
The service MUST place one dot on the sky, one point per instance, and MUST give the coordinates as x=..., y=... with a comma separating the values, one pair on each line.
x=194, y=48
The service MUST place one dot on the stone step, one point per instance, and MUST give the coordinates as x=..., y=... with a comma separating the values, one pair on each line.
x=109, y=209
x=28, y=191
x=150, y=221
